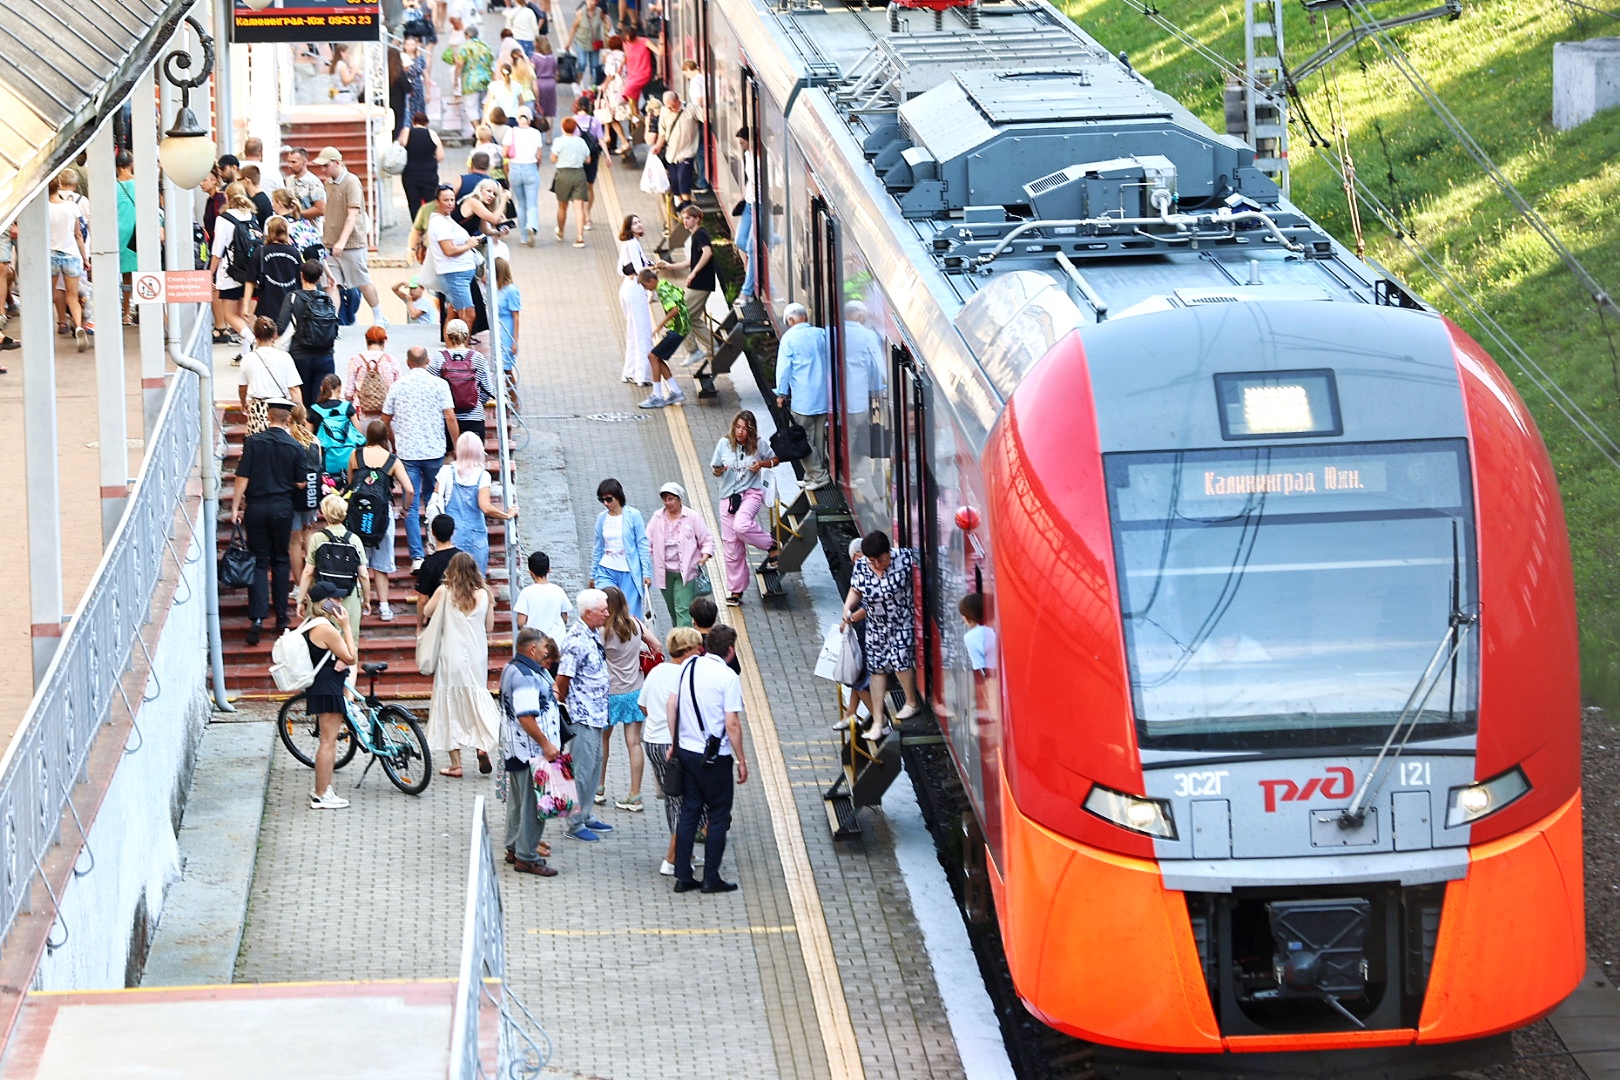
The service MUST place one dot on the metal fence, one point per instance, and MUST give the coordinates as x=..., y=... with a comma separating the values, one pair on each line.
x=483, y=953
x=48, y=756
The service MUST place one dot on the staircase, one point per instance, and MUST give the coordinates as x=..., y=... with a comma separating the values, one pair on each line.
x=247, y=666
x=346, y=127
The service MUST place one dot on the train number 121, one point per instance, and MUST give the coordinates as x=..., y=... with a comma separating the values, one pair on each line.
x=1414, y=774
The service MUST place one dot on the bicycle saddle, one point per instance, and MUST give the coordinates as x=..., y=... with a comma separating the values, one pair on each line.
x=375, y=667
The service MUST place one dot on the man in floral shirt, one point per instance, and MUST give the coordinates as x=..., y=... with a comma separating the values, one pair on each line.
x=475, y=67
x=582, y=684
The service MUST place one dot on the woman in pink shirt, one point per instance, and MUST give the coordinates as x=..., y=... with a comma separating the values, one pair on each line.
x=638, y=71
x=681, y=543
x=367, y=393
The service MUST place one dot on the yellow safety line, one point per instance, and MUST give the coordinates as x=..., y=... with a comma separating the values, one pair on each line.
x=653, y=931
x=815, y=940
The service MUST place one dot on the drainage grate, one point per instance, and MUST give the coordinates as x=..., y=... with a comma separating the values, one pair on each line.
x=617, y=417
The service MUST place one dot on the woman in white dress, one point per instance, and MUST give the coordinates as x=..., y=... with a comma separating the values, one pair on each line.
x=461, y=712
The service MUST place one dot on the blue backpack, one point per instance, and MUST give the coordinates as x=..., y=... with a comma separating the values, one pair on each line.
x=335, y=431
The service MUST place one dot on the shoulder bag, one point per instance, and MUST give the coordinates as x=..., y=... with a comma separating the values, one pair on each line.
x=237, y=566
x=427, y=643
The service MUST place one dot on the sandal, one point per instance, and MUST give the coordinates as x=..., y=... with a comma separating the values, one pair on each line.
x=734, y=600
x=544, y=849
x=455, y=772
x=485, y=766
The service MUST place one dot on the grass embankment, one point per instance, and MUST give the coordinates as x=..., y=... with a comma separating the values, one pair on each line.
x=1493, y=69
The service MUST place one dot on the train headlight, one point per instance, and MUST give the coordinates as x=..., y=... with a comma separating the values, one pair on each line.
x=1471, y=802
x=1151, y=817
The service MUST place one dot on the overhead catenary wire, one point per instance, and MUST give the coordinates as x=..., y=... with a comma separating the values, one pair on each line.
x=1505, y=345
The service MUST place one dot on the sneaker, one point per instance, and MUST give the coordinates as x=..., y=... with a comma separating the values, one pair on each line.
x=598, y=826
x=82, y=337
x=330, y=801
x=667, y=869
x=631, y=803
x=416, y=564
x=601, y=797
x=385, y=613
x=693, y=358
x=734, y=600
x=582, y=833
x=654, y=402
x=677, y=395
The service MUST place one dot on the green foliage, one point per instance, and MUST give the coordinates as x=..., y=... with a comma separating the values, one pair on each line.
x=1493, y=68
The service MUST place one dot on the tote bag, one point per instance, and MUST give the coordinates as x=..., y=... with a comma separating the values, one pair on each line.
x=556, y=794
x=427, y=644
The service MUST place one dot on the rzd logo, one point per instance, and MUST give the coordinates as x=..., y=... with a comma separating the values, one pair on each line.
x=1337, y=784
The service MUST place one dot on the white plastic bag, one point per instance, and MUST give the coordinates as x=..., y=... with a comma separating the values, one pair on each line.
x=654, y=177
x=831, y=649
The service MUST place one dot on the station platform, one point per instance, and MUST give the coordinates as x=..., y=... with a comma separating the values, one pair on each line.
x=817, y=967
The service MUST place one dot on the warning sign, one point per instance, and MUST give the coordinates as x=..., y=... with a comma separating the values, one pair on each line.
x=173, y=287
x=307, y=20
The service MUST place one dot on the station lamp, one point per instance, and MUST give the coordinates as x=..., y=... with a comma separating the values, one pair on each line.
x=187, y=153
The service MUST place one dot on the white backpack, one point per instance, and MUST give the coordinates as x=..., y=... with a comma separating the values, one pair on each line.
x=290, y=665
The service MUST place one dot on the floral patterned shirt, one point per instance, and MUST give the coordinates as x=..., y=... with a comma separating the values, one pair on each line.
x=584, y=661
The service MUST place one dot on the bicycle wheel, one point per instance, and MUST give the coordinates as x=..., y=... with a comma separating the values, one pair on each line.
x=301, y=736
x=402, y=750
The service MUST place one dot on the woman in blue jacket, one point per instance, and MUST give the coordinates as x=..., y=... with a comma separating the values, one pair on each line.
x=621, y=554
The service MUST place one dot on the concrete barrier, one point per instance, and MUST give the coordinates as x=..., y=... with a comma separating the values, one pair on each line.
x=1586, y=80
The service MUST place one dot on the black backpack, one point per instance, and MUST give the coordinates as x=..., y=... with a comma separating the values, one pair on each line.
x=247, y=246
x=317, y=322
x=368, y=501
x=592, y=144
x=338, y=562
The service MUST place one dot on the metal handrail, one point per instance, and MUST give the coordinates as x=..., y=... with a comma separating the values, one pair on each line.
x=508, y=477
x=50, y=751
x=483, y=952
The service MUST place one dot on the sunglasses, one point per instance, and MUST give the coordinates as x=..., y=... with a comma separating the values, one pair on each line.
x=606, y=499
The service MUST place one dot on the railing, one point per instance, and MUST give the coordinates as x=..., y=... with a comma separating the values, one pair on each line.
x=514, y=546
x=481, y=991
x=48, y=755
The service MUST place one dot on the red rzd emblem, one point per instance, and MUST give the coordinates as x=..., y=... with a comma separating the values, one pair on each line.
x=1337, y=784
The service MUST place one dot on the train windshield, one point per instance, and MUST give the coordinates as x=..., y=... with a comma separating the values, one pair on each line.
x=1293, y=596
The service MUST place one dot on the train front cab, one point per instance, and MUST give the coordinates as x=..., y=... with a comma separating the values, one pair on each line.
x=1175, y=871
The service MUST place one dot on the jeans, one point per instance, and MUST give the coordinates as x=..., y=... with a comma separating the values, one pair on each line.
x=269, y=530
x=678, y=597
x=525, y=179
x=708, y=788
x=457, y=286
x=745, y=245
x=524, y=826
x=586, y=58
x=422, y=474
x=815, y=466
x=587, y=751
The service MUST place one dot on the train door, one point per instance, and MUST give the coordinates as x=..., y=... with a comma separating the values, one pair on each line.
x=755, y=108
x=916, y=522
x=826, y=310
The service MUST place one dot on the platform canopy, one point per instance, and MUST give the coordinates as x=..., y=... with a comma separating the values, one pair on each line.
x=63, y=68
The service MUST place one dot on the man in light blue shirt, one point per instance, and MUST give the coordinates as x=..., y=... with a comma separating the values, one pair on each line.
x=802, y=378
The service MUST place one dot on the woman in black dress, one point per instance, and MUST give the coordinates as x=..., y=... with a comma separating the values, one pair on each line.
x=423, y=152
x=331, y=648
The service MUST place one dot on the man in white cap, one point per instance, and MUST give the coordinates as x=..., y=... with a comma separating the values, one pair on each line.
x=347, y=229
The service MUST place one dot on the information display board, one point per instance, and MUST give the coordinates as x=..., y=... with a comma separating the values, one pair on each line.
x=306, y=20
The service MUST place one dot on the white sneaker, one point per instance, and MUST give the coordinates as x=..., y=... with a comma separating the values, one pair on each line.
x=654, y=402
x=666, y=868
x=385, y=613
x=675, y=395
x=330, y=801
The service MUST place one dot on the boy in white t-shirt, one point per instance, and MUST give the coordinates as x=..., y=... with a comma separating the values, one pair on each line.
x=543, y=605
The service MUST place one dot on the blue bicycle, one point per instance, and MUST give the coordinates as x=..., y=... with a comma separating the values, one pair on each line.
x=389, y=733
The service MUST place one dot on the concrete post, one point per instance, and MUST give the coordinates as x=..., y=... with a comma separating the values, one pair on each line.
x=148, y=243
x=112, y=428
x=1586, y=80
x=42, y=486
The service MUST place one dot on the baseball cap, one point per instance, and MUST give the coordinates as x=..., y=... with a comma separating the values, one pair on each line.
x=324, y=590
x=328, y=155
x=278, y=403
x=672, y=488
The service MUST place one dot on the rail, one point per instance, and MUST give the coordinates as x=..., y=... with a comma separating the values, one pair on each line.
x=49, y=753
x=514, y=556
x=483, y=951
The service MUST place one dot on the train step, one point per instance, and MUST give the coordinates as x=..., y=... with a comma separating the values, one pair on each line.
x=842, y=817
x=795, y=529
x=769, y=583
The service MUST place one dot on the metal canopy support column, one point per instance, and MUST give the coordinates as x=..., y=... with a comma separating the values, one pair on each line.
x=1267, y=95
x=148, y=247
x=111, y=407
x=43, y=489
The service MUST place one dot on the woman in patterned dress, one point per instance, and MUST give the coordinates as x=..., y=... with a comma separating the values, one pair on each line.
x=882, y=592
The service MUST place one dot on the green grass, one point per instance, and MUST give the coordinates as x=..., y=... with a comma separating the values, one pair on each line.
x=1493, y=69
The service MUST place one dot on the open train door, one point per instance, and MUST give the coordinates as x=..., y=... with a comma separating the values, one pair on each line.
x=916, y=523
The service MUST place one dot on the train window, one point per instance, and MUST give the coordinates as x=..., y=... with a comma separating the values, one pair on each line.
x=1278, y=404
x=1291, y=596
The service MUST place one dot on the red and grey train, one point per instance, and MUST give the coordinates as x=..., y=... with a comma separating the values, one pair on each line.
x=1277, y=750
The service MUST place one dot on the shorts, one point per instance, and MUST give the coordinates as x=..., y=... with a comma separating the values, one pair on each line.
x=322, y=704
x=348, y=268
x=232, y=294
x=5, y=245
x=66, y=264
x=569, y=185
x=622, y=708
x=667, y=345
x=680, y=178
x=457, y=286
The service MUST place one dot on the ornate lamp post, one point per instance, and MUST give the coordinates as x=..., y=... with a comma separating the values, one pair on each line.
x=187, y=153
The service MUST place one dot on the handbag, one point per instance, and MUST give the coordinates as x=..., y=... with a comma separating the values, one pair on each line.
x=393, y=159
x=654, y=177
x=427, y=644
x=567, y=68
x=850, y=661
x=701, y=585
x=790, y=442
x=650, y=658
x=237, y=565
